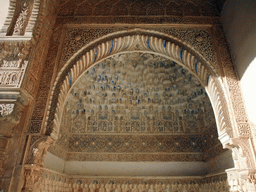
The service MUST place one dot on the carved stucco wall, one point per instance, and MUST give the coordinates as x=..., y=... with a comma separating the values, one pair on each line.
x=203, y=17
x=203, y=76
x=77, y=37
x=238, y=20
x=20, y=74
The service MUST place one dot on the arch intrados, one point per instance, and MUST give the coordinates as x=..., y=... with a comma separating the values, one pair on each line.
x=154, y=53
x=75, y=67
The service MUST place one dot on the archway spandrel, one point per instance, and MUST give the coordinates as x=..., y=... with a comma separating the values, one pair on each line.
x=198, y=39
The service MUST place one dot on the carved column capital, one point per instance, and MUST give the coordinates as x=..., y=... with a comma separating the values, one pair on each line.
x=34, y=164
x=243, y=152
x=241, y=179
x=38, y=150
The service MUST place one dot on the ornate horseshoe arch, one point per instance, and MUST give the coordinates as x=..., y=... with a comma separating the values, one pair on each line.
x=142, y=41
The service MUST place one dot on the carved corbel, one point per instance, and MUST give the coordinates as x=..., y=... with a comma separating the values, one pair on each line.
x=38, y=150
x=36, y=154
x=242, y=151
x=240, y=178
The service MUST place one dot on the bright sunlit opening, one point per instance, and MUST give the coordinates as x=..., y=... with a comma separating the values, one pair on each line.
x=4, y=5
x=248, y=83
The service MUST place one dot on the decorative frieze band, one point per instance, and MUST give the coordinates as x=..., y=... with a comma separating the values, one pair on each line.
x=13, y=64
x=48, y=180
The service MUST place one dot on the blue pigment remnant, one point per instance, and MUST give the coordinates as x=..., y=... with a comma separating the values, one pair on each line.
x=208, y=79
x=95, y=53
x=148, y=43
x=111, y=46
x=181, y=50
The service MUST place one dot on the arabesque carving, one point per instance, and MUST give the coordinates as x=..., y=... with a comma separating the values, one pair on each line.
x=241, y=177
x=25, y=17
x=13, y=64
x=86, y=57
x=13, y=51
x=22, y=20
x=6, y=109
x=154, y=103
x=241, y=180
x=137, y=8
